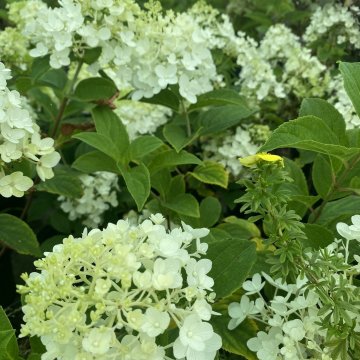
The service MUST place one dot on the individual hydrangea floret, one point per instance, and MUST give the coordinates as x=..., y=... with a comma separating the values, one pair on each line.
x=110, y=294
x=100, y=193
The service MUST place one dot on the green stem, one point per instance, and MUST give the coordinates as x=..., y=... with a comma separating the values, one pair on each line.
x=186, y=114
x=65, y=100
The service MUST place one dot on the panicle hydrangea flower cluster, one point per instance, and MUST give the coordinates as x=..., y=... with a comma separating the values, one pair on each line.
x=100, y=193
x=20, y=138
x=110, y=294
x=341, y=101
x=141, y=118
x=146, y=50
x=14, y=48
x=294, y=318
x=325, y=18
x=228, y=148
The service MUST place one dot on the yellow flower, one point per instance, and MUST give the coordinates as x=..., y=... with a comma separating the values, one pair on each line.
x=254, y=159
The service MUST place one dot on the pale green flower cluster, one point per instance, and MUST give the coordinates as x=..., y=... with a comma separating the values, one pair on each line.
x=20, y=138
x=112, y=293
x=300, y=318
x=100, y=194
x=14, y=48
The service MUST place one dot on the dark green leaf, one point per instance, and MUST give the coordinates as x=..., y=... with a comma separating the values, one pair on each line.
x=166, y=98
x=326, y=112
x=351, y=76
x=137, y=181
x=318, y=237
x=109, y=125
x=219, y=98
x=17, y=235
x=93, y=89
x=232, y=262
x=143, y=145
x=221, y=118
x=184, y=204
x=95, y=161
x=211, y=173
x=62, y=183
x=99, y=142
x=308, y=133
x=170, y=158
x=177, y=137
x=55, y=78
x=323, y=176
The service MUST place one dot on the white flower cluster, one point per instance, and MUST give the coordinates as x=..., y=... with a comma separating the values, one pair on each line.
x=100, y=193
x=229, y=148
x=293, y=331
x=111, y=293
x=341, y=101
x=146, y=50
x=331, y=16
x=141, y=118
x=20, y=138
x=294, y=318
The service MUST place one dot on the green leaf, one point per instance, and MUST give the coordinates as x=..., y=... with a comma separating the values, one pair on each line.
x=233, y=341
x=137, y=181
x=170, y=158
x=55, y=78
x=109, y=125
x=40, y=66
x=308, y=133
x=337, y=210
x=62, y=183
x=177, y=137
x=325, y=111
x=318, y=237
x=166, y=98
x=143, y=145
x=322, y=176
x=184, y=204
x=240, y=228
x=210, y=211
x=232, y=262
x=93, y=89
x=221, y=118
x=45, y=102
x=175, y=186
x=17, y=235
x=219, y=98
x=9, y=349
x=95, y=161
x=299, y=185
x=92, y=54
x=99, y=142
x=211, y=173
x=351, y=76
